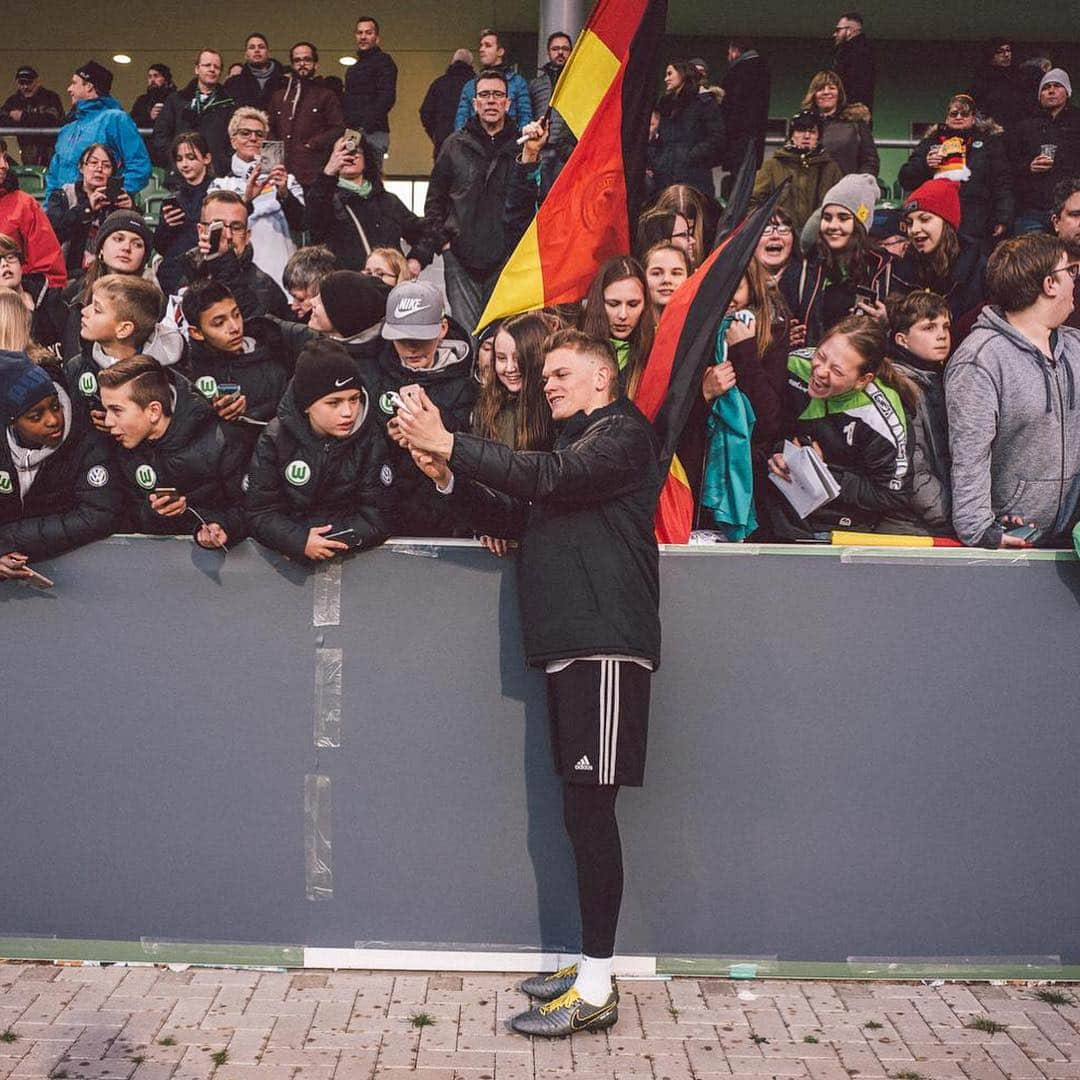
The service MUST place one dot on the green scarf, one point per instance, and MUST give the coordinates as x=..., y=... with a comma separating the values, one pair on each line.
x=363, y=189
x=622, y=351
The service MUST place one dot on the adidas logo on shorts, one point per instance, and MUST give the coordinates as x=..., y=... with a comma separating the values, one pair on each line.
x=584, y=765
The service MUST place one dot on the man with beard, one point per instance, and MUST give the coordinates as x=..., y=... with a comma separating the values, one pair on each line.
x=159, y=88
x=561, y=141
x=1065, y=221
x=305, y=114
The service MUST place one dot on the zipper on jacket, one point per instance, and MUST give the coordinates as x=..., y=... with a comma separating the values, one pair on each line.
x=1061, y=428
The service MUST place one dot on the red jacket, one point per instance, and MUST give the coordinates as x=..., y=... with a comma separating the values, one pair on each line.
x=25, y=222
x=306, y=116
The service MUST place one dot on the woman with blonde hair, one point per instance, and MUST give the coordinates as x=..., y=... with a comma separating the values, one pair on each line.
x=388, y=265
x=846, y=134
x=15, y=335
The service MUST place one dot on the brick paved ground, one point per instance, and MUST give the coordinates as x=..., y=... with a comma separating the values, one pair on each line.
x=117, y=1023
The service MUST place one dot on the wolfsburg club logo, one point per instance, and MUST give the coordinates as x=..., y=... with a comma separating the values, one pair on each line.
x=386, y=403
x=206, y=385
x=145, y=477
x=6, y=486
x=88, y=384
x=298, y=473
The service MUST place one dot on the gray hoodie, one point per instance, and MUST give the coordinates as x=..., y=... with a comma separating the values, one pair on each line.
x=1014, y=431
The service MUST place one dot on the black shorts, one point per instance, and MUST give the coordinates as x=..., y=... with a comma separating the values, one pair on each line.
x=600, y=721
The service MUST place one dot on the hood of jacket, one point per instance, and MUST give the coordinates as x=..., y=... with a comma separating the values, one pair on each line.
x=808, y=159
x=191, y=415
x=451, y=362
x=994, y=340
x=91, y=106
x=983, y=127
x=492, y=143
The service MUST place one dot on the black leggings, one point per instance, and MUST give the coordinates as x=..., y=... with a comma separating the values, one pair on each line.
x=589, y=813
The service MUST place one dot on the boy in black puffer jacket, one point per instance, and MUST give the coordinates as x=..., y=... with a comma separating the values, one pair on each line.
x=319, y=483
x=58, y=483
x=225, y=351
x=181, y=468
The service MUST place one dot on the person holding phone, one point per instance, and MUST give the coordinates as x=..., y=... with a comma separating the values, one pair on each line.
x=320, y=483
x=845, y=272
x=177, y=230
x=275, y=196
x=1012, y=400
x=939, y=258
x=238, y=365
x=181, y=469
x=58, y=483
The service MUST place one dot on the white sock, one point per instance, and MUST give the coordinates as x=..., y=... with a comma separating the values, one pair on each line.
x=593, y=980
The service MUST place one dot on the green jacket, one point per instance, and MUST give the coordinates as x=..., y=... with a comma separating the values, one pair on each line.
x=811, y=177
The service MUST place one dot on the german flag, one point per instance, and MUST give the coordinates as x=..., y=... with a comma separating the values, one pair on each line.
x=684, y=343
x=605, y=94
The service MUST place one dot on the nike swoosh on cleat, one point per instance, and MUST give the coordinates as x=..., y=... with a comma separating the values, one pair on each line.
x=586, y=1020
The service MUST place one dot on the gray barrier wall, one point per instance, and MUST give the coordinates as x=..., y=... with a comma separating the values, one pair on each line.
x=872, y=755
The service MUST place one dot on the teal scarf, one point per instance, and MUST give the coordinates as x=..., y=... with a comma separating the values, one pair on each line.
x=727, y=486
x=363, y=189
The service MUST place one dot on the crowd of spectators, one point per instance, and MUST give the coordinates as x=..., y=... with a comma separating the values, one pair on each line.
x=229, y=367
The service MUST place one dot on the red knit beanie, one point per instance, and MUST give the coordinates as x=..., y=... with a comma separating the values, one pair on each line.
x=941, y=197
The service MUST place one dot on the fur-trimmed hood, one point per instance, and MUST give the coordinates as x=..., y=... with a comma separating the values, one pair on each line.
x=854, y=113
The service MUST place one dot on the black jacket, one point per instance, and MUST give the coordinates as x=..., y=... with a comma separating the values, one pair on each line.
x=865, y=440
x=986, y=199
x=256, y=292
x=72, y=223
x=821, y=303
x=691, y=141
x=370, y=91
x=261, y=371
x=931, y=461
x=245, y=89
x=76, y=496
x=298, y=480
x=1002, y=94
x=745, y=109
x=1035, y=191
x=853, y=61
x=154, y=95
x=384, y=218
x=211, y=121
x=966, y=287
x=171, y=243
x=588, y=569
x=451, y=386
x=439, y=107
x=49, y=317
x=41, y=109
x=466, y=195
x=198, y=455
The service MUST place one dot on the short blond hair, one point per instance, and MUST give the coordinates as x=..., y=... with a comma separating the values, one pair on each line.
x=135, y=300
x=248, y=112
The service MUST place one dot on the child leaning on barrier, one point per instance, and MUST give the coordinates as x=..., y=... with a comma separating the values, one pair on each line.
x=181, y=468
x=320, y=482
x=920, y=340
x=58, y=483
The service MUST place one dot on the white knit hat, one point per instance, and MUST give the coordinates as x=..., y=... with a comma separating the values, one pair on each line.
x=1059, y=76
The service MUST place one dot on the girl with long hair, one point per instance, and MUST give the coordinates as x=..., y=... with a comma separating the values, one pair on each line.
x=938, y=259
x=845, y=272
x=666, y=269
x=511, y=407
x=848, y=402
x=617, y=308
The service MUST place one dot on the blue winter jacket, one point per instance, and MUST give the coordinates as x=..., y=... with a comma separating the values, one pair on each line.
x=99, y=120
x=520, y=102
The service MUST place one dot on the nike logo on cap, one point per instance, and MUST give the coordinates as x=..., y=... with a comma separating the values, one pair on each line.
x=342, y=382
x=409, y=306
